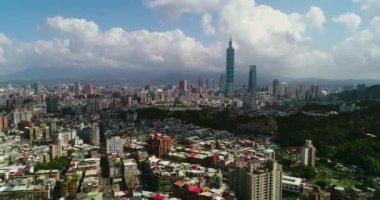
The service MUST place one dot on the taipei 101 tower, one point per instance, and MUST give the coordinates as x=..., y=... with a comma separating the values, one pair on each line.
x=230, y=68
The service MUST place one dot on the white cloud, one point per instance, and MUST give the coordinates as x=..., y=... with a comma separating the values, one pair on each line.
x=85, y=46
x=173, y=9
x=264, y=35
x=4, y=40
x=370, y=7
x=80, y=28
x=208, y=29
x=316, y=17
x=350, y=20
x=274, y=40
x=359, y=56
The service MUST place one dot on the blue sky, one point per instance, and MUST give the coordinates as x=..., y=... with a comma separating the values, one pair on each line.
x=19, y=20
x=311, y=31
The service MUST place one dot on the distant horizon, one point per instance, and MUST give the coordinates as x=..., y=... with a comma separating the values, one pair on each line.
x=193, y=78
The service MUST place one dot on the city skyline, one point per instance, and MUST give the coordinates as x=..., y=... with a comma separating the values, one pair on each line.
x=307, y=39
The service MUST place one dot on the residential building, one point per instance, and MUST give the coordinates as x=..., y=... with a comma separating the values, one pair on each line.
x=257, y=180
x=159, y=144
x=115, y=144
x=308, y=154
x=3, y=121
x=55, y=150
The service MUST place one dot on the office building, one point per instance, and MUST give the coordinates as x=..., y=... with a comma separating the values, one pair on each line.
x=252, y=82
x=115, y=144
x=230, y=70
x=257, y=180
x=183, y=85
x=276, y=88
x=37, y=88
x=51, y=104
x=249, y=102
x=222, y=83
x=308, y=154
x=77, y=88
x=200, y=82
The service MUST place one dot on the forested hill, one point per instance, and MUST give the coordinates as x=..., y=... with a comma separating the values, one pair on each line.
x=352, y=138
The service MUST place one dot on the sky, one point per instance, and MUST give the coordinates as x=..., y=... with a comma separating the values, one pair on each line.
x=337, y=39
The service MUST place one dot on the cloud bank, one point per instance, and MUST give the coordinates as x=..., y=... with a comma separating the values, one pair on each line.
x=276, y=41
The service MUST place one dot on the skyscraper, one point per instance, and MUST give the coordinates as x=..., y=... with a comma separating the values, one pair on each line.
x=252, y=83
x=222, y=83
x=77, y=88
x=183, y=85
x=276, y=88
x=51, y=104
x=230, y=60
x=257, y=180
x=37, y=88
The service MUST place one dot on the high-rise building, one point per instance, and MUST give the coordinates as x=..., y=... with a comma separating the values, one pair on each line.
x=22, y=115
x=3, y=121
x=249, y=102
x=222, y=83
x=183, y=85
x=200, y=82
x=252, y=82
x=230, y=70
x=95, y=134
x=115, y=144
x=51, y=104
x=308, y=154
x=159, y=145
x=37, y=88
x=276, y=88
x=87, y=89
x=257, y=180
x=55, y=150
x=77, y=88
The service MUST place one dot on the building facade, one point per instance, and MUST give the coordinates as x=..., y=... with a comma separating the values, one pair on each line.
x=257, y=180
x=183, y=85
x=52, y=104
x=252, y=83
x=77, y=88
x=308, y=154
x=159, y=145
x=115, y=144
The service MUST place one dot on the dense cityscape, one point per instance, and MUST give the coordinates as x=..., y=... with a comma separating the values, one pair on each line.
x=68, y=141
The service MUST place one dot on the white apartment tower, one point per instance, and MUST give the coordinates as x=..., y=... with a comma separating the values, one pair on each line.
x=308, y=154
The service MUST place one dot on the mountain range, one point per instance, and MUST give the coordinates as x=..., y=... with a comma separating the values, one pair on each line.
x=138, y=77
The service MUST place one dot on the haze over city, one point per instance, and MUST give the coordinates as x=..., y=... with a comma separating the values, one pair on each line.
x=301, y=39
